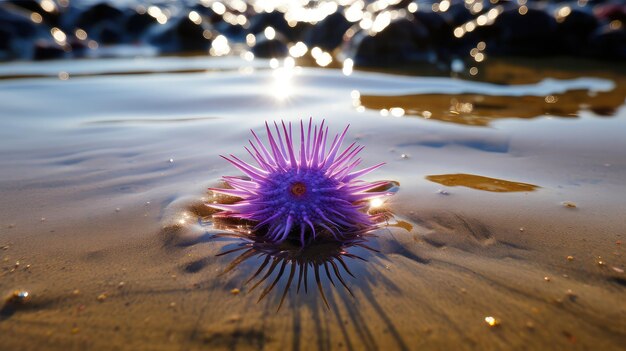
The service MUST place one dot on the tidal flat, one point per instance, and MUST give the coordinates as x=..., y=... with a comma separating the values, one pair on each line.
x=506, y=230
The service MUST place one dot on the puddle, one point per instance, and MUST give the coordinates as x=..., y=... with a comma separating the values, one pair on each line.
x=481, y=183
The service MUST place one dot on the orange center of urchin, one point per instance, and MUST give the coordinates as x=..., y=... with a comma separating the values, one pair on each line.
x=298, y=189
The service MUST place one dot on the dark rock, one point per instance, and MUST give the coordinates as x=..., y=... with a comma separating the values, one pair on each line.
x=327, y=34
x=6, y=36
x=401, y=42
x=402, y=4
x=138, y=23
x=457, y=14
x=531, y=34
x=79, y=47
x=611, y=12
x=274, y=19
x=30, y=5
x=575, y=30
x=19, y=25
x=435, y=23
x=190, y=35
x=231, y=31
x=298, y=31
x=17, y=33
x=45, y=50
x=100, y=13
x=609, y=43
x=266, y=48
x=207, y=13
x=50, y=18
x=181, y=35
x=440, y=32
x=109, y=33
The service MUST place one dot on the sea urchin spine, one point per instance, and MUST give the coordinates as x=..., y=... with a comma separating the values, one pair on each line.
x=308, y=191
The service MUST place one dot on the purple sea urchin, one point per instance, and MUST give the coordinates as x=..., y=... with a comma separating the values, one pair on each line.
x=308, y=191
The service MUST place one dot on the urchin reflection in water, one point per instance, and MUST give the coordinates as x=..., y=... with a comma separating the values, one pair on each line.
x=314, y=189
x=283, y=261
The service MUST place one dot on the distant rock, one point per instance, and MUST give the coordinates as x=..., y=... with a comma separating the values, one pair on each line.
x=401, y=42
x=108, y=33
x=180, y=35
x=231, y=31
x=457, y=14
x=17, y=23
x=534, y=29
x=30, y=5
x=99, y=13
x=574, y=32
x=47, y=50
x=138, y=23
x=17, y=34
x=440, y=31
x=327, y=34
x=6, y=35
x=611, y=12
x=79, y=48
x=530, y=34
x=207, y=13
x=609, y=43
x=269, y=48
x=274, y=19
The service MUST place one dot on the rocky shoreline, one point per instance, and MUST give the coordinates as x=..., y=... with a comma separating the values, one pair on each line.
x=453, y=35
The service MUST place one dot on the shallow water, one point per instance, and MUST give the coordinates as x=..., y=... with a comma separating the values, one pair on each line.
x=510, y=205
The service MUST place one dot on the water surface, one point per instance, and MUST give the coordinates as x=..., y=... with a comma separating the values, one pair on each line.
x=510, y=205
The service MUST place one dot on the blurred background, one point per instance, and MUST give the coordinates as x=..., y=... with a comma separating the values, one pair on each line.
x=448, y=36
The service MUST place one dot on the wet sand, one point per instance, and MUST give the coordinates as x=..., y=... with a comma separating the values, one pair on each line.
x=103, y=179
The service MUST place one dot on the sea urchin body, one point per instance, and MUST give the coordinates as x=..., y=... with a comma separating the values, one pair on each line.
x=307, y=191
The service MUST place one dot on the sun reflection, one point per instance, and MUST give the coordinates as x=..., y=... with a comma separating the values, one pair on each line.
x=444, y=5
x=269, y=33
x=354, y=13
x=184, y=217
x=492, y=321
x=48, y=5
x=523, y=10
x=381, y=21
x=396, y=111
x=248, y=56
x=298, y=50
x=218, y=8
x=36, y=17
x=80, y=34
x=58, y=35
x=282, y=87
x=615, y=25
x=195, y=17
x=250, y=39
x=376, y=203
x=289, y=63
x=158, y=14
x=274, y=63
x=220, y=46
x=348, y=66
x=323, y=59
